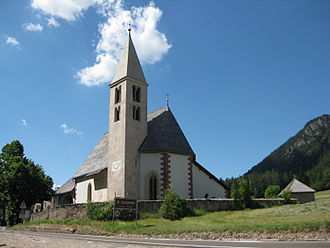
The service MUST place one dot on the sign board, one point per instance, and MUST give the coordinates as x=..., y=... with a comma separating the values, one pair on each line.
x=24, y=214
x=125, y=203
x=23, y=205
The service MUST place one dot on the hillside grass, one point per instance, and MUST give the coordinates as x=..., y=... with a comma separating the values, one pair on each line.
x=297, y=217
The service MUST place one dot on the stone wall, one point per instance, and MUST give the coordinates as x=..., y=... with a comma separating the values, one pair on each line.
x=73, y=211
x=150, y=206
x=210, y=204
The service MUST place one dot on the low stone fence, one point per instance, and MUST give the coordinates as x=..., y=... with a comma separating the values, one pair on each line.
x=209, y=204
x=75, y=211
x=72, y=211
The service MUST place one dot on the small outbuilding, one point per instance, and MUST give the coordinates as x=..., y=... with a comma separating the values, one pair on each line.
x=65, y=194
x=300, y=191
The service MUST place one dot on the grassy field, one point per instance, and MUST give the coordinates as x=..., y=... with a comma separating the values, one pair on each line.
x=299, y=217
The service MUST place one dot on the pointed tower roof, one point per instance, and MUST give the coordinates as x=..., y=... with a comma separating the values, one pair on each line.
x=129, y=64
x=296, y=186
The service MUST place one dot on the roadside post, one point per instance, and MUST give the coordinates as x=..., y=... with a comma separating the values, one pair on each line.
x=23, y=213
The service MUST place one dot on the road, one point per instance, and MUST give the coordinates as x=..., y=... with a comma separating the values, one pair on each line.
x=18, y=239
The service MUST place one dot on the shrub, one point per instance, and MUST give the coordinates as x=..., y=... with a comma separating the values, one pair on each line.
x=174, y=207
x=287, y=196
x=104, y=211
x=100, y=211
x=199, y=212
x=272, y=191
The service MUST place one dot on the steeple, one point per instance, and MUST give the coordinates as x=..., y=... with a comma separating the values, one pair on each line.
x=129, y=65
x=127, y=124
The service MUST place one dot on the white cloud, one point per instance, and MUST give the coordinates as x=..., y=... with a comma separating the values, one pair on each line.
x=151, y=44
x=52, y=22
x=33, y=27
x=70, y=130
x=67, y=9
x=12, y=41
x=24, y=122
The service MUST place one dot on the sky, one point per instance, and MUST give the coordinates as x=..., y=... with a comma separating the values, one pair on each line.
x=242, y=76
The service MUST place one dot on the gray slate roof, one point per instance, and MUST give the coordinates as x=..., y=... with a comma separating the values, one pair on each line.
x=164, y=135
x=67, y=187
x=296, y=186
x=129, y=64
x=97, y=160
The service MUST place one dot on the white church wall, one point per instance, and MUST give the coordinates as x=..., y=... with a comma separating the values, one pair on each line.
x=179, y=174
x=98, y=184
x=149, y=164
x=203, y=184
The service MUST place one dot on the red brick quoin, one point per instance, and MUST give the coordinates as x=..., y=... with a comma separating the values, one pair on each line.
x=165, y=171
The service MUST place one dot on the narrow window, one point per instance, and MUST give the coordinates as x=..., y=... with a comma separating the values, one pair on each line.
x=117, y=114
x=136, y=94
x=89, y=193
x=136, y=113
x=153, y=188
x=118, y=94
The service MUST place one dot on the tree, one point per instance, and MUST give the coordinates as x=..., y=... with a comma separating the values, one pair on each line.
x=21, y=180
x=272, y=191
x=234, y=192
x=174, y=207
x=245, y=192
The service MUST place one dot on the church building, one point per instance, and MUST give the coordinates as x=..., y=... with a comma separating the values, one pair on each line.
x=143, y=153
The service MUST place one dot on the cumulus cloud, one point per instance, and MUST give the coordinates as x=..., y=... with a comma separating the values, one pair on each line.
x=12, y=41
x=150, y=43
x=67, y=9
x=52, y=22
x=70, y=130
x=33, y=27
x=24, y=122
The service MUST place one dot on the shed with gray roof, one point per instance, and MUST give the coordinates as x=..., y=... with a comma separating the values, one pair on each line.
x=299, y=191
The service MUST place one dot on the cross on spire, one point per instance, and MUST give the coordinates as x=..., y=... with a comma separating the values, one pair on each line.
x=129, y=27
x=167, y=100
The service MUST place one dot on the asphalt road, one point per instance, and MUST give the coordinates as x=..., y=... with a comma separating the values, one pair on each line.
x=100, y=241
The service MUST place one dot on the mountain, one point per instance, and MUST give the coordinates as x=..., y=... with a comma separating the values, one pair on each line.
x=305, y=156
x=302, y=151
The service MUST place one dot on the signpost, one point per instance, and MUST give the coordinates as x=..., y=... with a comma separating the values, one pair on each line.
x=125, y=203
x=24, y=214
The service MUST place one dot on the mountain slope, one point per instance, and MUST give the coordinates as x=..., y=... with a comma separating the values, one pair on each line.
x=302, y=151
x=305, y=156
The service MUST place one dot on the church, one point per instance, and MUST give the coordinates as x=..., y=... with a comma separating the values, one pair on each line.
x=143, y=153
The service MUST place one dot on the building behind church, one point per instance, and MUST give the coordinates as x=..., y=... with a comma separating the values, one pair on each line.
x=143, y=153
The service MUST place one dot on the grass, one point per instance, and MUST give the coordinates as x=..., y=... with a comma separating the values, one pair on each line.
x=322, y=194
x=299, y=217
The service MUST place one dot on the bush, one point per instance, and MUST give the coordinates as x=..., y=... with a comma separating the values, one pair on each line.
x=199, y=212
x=287, y=196
x=174, y=207
x=104, y=211
x=100, y=211
x=272, y=191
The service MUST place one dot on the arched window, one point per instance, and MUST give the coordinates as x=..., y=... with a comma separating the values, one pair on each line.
x=89, y=192
x=153, y=188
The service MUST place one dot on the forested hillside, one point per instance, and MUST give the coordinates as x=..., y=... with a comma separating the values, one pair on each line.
x=305, y=156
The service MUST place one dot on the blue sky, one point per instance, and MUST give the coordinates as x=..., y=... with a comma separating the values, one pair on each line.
x=243, y=76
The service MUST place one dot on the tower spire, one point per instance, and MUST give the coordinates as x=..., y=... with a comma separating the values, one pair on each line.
x=129, y=65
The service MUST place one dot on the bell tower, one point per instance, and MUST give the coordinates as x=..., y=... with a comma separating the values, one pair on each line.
x=127, y=124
